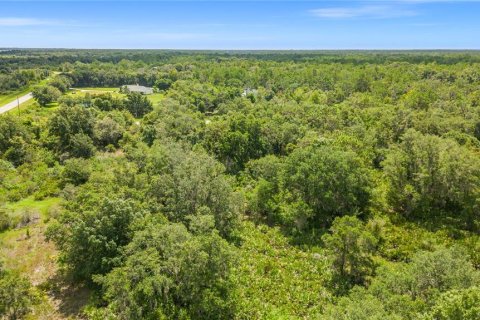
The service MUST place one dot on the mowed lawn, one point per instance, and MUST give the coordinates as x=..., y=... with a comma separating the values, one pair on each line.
x=155, y=98
x=80, y=92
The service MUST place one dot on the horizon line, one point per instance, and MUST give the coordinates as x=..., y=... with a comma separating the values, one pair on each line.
x=256, y=49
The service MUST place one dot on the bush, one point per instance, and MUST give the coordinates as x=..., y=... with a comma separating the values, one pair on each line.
x=5, y=220
x=46, y=94
x=108, y=132
x=170, y=273
x=138, y=104
x=81, y=146
x=76, y=171
x=321, y=183
x=457, y=305
x=352, y=246
x=16, y=295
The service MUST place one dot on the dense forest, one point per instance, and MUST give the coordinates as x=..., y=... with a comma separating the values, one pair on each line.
x=250, y=185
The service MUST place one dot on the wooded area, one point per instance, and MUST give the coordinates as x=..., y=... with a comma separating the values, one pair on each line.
x=250, y=185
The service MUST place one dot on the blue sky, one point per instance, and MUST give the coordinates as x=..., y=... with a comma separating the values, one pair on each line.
x=387, y=24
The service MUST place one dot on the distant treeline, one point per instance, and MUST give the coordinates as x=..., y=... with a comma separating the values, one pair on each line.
x=27, y=58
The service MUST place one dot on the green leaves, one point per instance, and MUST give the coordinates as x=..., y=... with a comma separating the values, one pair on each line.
x=46, y=94
x=457, y=305
x=73, y=128
x=429, y=176
x=329, y=181
x=17, y=295
x=137, y=104
x=351, y=246
x=91, y=240
x=169, y=272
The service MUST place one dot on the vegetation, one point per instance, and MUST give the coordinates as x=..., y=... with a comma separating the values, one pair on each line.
x=267, y=185
x=16, y=295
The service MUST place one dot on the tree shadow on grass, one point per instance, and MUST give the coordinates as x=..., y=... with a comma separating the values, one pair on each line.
x=68, y=297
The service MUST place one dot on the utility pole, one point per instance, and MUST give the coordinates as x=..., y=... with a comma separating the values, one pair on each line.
x=18, y=105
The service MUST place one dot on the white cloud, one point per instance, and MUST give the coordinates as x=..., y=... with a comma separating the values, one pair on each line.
x=370, y=11
x=22, y=22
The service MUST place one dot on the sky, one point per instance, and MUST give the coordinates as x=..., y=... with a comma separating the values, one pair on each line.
x=242, y=25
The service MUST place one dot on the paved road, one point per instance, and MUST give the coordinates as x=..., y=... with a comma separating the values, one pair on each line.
x=13, y=104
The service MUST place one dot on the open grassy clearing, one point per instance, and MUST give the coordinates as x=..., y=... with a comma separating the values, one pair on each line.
x=81, y=92
x=42, y=206
x=99, y=89
x=155, y=98
x=25, y=249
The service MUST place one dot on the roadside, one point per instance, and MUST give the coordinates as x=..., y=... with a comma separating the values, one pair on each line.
x=11, y=105
x=9, y=101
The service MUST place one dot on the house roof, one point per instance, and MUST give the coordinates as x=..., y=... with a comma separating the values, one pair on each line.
x=137, y=88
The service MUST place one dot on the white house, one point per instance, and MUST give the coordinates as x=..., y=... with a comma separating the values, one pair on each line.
x=137, y=88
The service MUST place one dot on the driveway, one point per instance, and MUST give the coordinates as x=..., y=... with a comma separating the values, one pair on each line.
x=14, y=104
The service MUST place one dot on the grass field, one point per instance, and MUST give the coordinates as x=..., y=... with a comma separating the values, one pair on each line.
x=29, y=203
x=33, y=256
x=99, y=89
x=29, y=253
x=81, y=92
x=155, y=98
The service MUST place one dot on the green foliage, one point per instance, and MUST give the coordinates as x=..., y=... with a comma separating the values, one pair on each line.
x=19, y=151
x=108, y=131
x=46, y=94
x=191, y=183
x=172, y=120
x=76, y=171
x=409, y=290
x=358, y=174
x=81, y=146
x=236, y=141
x=429, y=175
x=138, y=104
x=351, y=246
x=14, y=140
x=457, y=305
x=321, y=183
x=61, y=82
x=92, y=240
x=5, y=220
x=171, y=273
x=16, y=295
x=14, y=79
x=420, y=97
x=359, y=305
x=73, y=128
x=277, y=280
x=107, y=102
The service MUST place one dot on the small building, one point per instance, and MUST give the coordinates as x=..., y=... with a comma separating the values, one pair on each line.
x=136, y=88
